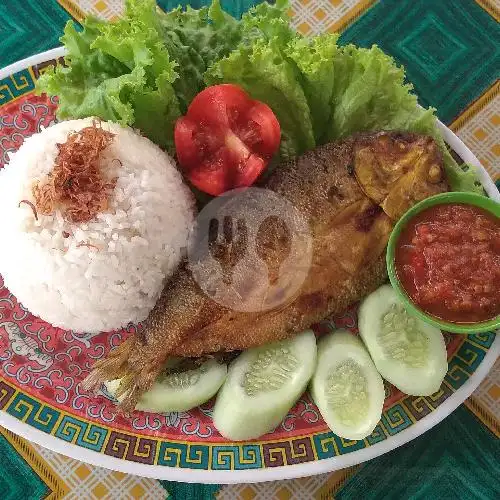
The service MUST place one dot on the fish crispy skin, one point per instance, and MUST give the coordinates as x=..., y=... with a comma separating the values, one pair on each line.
x=350, y=211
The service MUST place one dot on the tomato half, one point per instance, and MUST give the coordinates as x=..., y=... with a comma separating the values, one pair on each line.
x=226, y=139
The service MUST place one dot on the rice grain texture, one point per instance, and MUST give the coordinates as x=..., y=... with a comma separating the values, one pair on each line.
x=104, y=274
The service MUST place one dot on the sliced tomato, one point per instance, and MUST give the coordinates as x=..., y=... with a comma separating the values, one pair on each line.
x=209, y=180
x=268, y=127
x=226, y=139
x=187, y=150
x=218, y=105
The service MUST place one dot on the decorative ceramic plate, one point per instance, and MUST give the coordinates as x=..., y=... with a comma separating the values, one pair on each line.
x=42, y=367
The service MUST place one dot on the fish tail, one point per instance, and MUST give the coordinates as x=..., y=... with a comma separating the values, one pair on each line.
x=133, y=385
x=112, y=367
x=135, y=364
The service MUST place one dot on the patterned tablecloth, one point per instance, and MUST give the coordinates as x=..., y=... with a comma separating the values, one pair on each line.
x=451, y=50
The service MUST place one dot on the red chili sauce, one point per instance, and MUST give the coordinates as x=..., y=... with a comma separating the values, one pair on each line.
x=448, y=261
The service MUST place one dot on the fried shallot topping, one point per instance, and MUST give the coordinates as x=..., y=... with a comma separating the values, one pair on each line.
x=76, y=186
x=31, y=206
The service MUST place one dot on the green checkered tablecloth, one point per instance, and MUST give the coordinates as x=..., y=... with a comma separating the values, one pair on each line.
x=451, y=51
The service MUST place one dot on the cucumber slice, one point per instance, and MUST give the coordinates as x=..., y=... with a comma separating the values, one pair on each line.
x=180, y=391
x=407, y=352
x=346, y=386
x=262, y=384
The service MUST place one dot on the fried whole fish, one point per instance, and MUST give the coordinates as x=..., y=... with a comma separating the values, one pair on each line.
x=351, y=192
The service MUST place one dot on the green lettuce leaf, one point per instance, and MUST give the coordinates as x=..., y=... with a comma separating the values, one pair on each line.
x=145, y=69
x=195, y=39
x=261, y=67
x=142, y=70
x=263, y=71
x=369, y=92
x=93, y=82
x=210, y=32
x=268, y=21
x=120, y=72
x=464, y=179
x=314, y=59
x=156, y=110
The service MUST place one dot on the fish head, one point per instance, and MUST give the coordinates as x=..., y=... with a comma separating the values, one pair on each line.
x=397, y=170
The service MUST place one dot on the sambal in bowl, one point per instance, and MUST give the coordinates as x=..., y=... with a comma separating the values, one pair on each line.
x=443, y=259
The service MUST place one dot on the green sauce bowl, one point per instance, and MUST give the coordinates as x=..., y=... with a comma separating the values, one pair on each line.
x=455, y=197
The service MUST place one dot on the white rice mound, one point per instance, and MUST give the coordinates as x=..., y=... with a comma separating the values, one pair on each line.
x=140, y=239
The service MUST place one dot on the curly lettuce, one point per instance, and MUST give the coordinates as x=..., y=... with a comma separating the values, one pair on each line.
x=195, y=39
x=142, y=70
x=313, y=58
x=260, y=66
x=145, y=69
x=322, y=92
x=120, y=72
